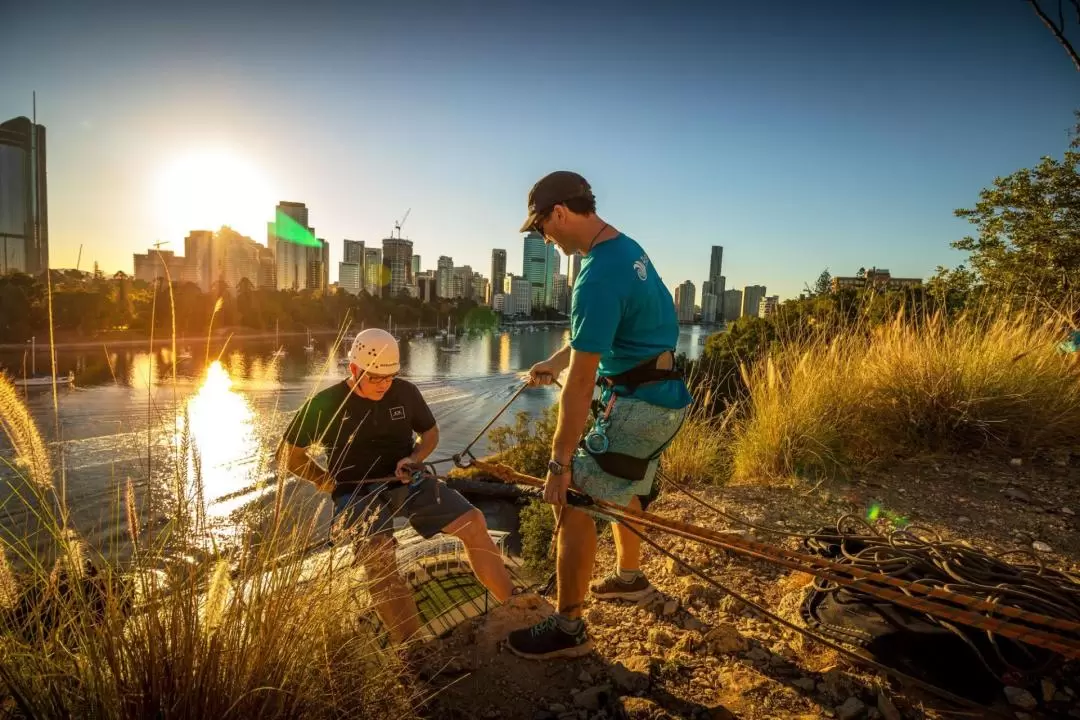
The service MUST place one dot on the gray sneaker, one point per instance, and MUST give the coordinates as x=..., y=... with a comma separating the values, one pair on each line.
x=615, y=588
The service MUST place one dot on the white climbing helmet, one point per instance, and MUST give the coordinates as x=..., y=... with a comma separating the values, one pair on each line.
x=375, y=351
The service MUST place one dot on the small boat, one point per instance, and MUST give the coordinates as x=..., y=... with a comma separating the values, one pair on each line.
x=310, y=347
x=450, y=346
x=45, y=380
x=280, y=352
x=184, y=354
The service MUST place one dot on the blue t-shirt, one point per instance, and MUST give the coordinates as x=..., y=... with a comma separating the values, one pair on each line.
x=622, y=310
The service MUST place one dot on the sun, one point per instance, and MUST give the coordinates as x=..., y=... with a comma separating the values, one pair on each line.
x=208, y=188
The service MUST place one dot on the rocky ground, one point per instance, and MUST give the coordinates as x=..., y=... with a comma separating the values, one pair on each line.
x=696, y=652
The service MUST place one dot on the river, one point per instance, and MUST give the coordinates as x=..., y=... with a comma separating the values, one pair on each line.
x=198, y=445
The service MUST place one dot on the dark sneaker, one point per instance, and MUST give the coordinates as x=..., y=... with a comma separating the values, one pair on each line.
x=546, y=640
x=615, y=588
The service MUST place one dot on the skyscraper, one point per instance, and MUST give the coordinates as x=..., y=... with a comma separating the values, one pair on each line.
x=751, y=299
x=498, y=271
x=518, y=295
x=373, y=272
x=354, y=251
x=732, y=305
x=444, y=277
x=415, y=266
x=318, y=265
x=715, y=285
x=302, y=260
x=349, y=277
x=461, y=284
x=684, y=302
x=573, y=264
x=540, y=262
x=426, y=287
x=397, y=260
x=24, y=217
x=562, y=298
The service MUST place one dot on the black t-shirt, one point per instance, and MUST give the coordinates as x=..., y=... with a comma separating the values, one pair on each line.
x=363, y=438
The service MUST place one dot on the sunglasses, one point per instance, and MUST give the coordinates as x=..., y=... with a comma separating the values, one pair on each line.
x=541, y=218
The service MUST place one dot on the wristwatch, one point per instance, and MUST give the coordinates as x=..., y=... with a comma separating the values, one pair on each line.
x=557, y=468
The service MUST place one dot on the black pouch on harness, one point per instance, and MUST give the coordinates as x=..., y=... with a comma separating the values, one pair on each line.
x=962, y=660
x=621, y=465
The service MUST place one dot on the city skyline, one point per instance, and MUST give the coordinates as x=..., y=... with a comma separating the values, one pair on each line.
x=855, y=137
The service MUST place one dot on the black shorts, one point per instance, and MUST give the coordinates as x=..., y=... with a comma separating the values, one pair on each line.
x=372, y=508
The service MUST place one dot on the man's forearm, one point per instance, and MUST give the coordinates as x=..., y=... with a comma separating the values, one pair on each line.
x=574, y=405
x=428, y=442
x=561, y=359
x=304, y=466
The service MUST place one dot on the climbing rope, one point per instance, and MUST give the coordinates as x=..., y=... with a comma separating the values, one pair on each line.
x=916, y=595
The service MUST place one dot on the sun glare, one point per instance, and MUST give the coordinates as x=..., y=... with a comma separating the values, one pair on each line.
x=206, y=189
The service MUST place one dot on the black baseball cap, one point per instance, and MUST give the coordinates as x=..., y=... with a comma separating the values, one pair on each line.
x=552, y=189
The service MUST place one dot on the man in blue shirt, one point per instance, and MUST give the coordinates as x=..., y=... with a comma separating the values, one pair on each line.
x=622, y=338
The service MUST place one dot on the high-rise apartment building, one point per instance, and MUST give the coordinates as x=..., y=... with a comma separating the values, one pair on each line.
x=301, y=259
x=373, y=272
x=461, y=284
x=480, y=289
x=427, y=287
x=562, y=296
x=732, y=305
x=498, y=270
x=751, y=299
x=540, y=262
x=684, y=301
x=768, y=305
x=519, y=295
x=353, y=251
x=444, y=277
x=573, y=269
x=397, y=262
x=318, y=265
x=350, y=277
x=24, y=216
x=710, y=306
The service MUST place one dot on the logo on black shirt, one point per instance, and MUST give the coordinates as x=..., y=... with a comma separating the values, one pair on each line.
x=397, y=413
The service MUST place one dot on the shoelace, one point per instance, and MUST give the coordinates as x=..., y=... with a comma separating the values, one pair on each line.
x=543, y=626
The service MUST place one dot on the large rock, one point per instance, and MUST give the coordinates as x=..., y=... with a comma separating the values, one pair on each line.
x=725, y=639
x=592, y=698
x=661, y=637
x=632, y=677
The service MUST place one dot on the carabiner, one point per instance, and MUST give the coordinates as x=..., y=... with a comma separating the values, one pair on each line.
x=596, y=441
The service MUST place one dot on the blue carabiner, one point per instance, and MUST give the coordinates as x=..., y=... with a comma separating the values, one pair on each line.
x=596, y=440
x=418, y=478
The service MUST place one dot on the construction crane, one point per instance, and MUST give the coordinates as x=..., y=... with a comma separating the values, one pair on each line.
x=399, y=223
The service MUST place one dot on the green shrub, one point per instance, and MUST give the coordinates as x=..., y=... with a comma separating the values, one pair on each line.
x=537, y=528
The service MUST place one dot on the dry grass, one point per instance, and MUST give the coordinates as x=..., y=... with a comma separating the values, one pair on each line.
x=699, y=453
x=907, y=388
x=260, y=633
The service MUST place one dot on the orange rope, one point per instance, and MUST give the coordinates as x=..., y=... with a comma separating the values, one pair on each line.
x=865, y=581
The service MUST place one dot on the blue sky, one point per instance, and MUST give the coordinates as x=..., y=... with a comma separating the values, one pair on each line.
x=798, y=136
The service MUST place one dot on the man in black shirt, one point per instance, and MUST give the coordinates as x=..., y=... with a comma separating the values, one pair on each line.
x=368, y=425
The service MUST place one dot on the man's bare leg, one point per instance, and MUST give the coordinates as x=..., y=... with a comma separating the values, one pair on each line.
x=485, y=559
x=576, y=555
x=627, y=544
x=392, y=596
